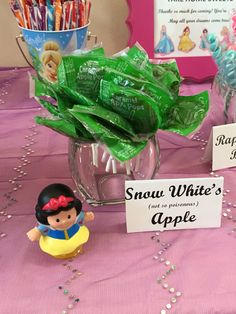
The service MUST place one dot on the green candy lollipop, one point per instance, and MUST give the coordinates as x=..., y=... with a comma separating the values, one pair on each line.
x=135, y=106
x=162, y=97
x=188, y=113
x=106, y=116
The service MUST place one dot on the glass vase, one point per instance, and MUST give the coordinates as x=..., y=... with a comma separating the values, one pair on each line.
x=100, y=179
x=223, y=98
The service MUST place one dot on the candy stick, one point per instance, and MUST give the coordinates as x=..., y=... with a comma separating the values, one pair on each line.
x=108, y=165
x=25, y=13
x=78, y=13
x=36, y=16
x=114, y=170
x=17, y=8
x=68, y=8
x=50, y=16
x=16, y=11
x=58, y=14
x=42, y=15
x=29, y=22
x=88, y=9
x=33, y=18
x=81, y=13
x=19, y=18
x=62, y=22
x=74, y=13
x=39, y=19
x=63, y=17
x=20, y=4
x=85, y=10
x=45, y=14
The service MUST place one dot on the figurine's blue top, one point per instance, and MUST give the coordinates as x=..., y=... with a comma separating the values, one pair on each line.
x=62, y=234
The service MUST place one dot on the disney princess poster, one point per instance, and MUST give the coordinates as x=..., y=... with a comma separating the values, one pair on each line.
x=165, y=22
x=180, y=28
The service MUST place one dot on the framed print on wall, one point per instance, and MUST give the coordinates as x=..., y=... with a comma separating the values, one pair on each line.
x=178, y=29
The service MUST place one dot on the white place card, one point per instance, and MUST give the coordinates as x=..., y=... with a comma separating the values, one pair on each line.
x=171, y=204
x=222, y=144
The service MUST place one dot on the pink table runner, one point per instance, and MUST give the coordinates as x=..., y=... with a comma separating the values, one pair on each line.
x=119, y=274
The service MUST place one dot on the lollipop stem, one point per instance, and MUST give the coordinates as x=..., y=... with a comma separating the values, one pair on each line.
x=104, y=156
x=114, y=170
x=127, y=166
x=95, y=154
x=108, y=165
x=137, y=164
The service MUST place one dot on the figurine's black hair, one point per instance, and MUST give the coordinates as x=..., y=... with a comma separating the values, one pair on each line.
x=55, y=191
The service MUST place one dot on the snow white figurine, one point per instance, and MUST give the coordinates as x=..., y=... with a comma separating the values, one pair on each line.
x=60, y=231
x=165, y=45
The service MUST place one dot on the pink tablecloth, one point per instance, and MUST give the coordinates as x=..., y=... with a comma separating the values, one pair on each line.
x=119, y=274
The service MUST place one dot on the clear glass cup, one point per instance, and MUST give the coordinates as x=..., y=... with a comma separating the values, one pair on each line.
x=100, y=179
x=223, y=98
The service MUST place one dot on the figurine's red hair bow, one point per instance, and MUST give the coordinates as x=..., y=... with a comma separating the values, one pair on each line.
x=54, y=203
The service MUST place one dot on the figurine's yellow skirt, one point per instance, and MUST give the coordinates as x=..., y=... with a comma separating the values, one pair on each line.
x=64, y=248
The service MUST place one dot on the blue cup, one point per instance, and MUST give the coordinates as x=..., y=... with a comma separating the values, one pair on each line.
x=46, y=48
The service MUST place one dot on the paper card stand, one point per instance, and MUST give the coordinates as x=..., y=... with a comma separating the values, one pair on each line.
x=171, y=204
x=146, y=19
x=221, y=147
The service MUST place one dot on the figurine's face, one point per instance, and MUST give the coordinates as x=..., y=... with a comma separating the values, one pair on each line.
x=63, y=220
x=51, y=67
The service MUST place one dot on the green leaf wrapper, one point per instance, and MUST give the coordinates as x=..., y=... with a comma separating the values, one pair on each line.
x=59, y=126
x=118, y=145
x=50, y=108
